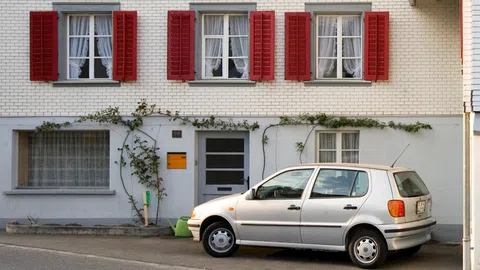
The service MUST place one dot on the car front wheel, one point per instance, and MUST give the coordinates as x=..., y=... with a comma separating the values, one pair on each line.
x=367, y=249
x=219, y=240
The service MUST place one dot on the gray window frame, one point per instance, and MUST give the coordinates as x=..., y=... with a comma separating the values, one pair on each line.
x=333, y=9
x=63, y=10
x=205, y=8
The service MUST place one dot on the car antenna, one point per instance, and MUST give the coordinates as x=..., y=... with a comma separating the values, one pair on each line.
x=400, y=155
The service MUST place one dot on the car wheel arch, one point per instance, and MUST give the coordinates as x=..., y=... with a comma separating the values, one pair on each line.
x=212, y=219
x=360, y=226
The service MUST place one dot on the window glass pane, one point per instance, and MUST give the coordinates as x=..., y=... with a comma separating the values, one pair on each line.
x=333, y=183
x=213, y=67
x=350, y=141
x=327, y=68
x=238, y=25
x=410, y=184
x=103, y=47
x=79, y=68
x=288, y=185
x=352, y=26
x=100, y=69
x=352, y=47
x=79, y=25
x=68, y=159
x=237, y=68
x=350, y=156
x=103, y=25
x=225, y=161
x=327, y=26
x=328, y=156
x=361, y=185
x=225, y=178
x=213, y=25
x=78, y=47
x=225, y=145
x=238, y=47
x=213, y=47
x=328, y=141
x=352, y=68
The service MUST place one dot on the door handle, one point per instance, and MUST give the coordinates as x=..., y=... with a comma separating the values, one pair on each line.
x=293, y=207
x=350, y=207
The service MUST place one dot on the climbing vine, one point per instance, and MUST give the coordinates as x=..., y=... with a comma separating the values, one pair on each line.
x=143, y=155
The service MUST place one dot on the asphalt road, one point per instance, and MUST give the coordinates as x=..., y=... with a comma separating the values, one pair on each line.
x=94, y=252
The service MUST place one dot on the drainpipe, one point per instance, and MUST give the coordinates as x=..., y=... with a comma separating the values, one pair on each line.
x=466, y=194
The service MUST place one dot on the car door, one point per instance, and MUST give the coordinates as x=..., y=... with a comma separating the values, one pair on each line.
x=335, y=198
x=273, y=215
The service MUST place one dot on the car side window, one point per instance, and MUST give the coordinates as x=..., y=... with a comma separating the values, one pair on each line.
x=340, y=183
x=287, y=185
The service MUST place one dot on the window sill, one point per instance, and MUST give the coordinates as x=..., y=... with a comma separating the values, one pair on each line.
x=92, y=83
x=27, y=191
x=338, y=83
x=222, y=83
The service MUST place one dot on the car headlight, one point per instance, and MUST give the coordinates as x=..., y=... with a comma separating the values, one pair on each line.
x=193, y=214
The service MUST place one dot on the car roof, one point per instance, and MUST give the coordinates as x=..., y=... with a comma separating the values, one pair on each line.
x=357, y=165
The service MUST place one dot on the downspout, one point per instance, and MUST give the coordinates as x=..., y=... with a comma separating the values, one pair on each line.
x=466, y=194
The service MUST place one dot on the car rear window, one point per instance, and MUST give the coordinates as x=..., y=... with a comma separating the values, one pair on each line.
x=410, y=184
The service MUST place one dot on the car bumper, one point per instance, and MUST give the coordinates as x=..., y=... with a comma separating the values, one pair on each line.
x=194, y=227
x=406, y=235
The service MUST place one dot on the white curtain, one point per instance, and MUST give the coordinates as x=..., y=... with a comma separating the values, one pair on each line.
x=350, y=141
x=239, y=45
x=79, y=26
x=103, y=26
x=327, y=47
x=213, y=46
x=328, y=147
x=69, y=159
x=352, y=46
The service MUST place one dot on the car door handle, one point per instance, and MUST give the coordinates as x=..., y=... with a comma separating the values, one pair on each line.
x=293, y=207
x=350, y=207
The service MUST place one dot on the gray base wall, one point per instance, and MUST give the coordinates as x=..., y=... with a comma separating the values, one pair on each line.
x=436, y=155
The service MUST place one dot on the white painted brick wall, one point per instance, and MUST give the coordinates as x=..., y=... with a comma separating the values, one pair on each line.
x=467, y=53
x=425, y=69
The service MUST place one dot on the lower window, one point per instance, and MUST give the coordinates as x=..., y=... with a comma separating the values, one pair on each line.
x=64, y=159
x=342, y=147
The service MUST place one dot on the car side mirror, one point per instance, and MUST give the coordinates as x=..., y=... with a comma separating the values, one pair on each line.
x=252, y=194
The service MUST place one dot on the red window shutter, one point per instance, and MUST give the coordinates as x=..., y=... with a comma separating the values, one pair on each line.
x=181, y=45
x=125, y=45
x=376, y=46
x=43, y=46
x=297, y=46
x=262, y=45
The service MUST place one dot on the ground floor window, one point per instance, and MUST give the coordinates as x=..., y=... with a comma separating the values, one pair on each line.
x=339, y=146
x=64, y=159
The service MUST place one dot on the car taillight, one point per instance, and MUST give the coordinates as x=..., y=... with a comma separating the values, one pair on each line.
x=396, y=208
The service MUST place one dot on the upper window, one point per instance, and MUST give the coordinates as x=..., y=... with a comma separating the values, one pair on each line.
x=64, y=159
x=338, y=147
x=225, y=46
x=89, y=47
x=338, y=47
x=340, y=183
x=287, y=185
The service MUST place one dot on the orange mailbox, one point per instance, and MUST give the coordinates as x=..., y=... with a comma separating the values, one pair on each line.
x=177, y=160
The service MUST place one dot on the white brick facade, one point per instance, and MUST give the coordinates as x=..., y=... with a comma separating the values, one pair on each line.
x=424, y=76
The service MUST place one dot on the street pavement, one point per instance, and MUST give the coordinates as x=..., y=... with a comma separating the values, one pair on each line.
x=94, y=252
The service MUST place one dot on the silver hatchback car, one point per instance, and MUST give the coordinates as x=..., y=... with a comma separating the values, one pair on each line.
x=366, y=210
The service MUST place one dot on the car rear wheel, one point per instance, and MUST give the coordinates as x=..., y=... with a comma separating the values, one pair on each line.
x=219, y=240
x=367, y=249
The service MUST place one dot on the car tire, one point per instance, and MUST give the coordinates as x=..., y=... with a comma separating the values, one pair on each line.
x=367, y=249
x=219, y=240
x=410, y=251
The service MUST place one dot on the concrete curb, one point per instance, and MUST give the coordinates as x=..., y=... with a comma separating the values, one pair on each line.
x=88, y=230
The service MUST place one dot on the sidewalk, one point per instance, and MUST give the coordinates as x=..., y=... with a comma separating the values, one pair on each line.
x=184, y=252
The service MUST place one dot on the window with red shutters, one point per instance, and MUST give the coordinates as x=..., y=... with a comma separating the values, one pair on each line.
x=262, y=45
x=297, y=46
x=124, y=45
x=43, y=46
x=181, y=44
x=376, y=46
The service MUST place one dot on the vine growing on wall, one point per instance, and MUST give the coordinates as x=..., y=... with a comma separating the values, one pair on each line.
x=143, y=159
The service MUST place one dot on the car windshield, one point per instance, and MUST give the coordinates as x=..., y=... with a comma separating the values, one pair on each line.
x=410, y=184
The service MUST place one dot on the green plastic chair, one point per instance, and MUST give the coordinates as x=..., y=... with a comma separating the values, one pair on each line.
x=181, y=228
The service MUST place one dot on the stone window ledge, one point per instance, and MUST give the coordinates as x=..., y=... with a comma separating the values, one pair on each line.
x=60, y=192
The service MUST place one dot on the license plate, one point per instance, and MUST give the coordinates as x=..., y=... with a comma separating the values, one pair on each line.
x=420, y=207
